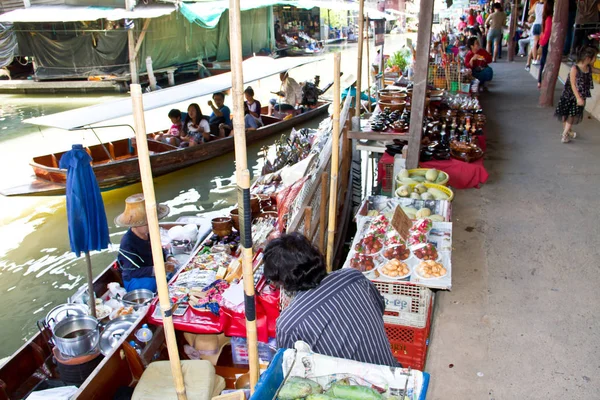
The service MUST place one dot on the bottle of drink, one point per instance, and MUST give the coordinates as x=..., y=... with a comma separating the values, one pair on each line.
x=136, y=346
x=144, y=334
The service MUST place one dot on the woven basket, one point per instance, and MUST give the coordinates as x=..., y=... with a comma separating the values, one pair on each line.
x=444, y=189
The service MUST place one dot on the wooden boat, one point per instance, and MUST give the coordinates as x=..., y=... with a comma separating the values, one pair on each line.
x=298, y=52
x=32, y=364
x=115, y=164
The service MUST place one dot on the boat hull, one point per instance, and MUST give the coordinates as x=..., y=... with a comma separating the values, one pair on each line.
x=52, y=181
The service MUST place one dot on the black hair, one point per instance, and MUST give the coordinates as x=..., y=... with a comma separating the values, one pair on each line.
x=474, y=31
x=292, y=261
x=219, y=94
x=249, y=91
x=174, y=113
x=587, y=52
x=188, y=118
x=497, y=6
x=471, y=41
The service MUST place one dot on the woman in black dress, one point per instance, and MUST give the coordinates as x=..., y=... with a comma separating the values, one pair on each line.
x=577, y=89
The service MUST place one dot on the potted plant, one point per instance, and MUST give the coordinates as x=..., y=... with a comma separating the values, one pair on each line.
x=398, y=62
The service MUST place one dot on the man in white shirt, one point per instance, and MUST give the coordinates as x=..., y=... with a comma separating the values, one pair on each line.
x=290, y=93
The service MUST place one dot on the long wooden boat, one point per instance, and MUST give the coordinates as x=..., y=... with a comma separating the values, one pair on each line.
x=302, y=52
x=115, y=164
x=32, y=364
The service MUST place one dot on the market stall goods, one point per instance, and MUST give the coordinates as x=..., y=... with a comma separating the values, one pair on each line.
x=426, y=252
x=424, y=191
x=396, y=252
x=370, y=244
x=430, y=270
x=395, y=269
x=422, y=175
x=362, y=262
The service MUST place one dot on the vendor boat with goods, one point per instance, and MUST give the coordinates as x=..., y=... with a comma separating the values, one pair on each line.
x=115, y=164
x=131, y=336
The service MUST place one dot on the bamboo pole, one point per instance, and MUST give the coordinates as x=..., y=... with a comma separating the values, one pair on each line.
x=307, y=221
x=157, y=253
x=361, y=38
x=335, y=153
x=133, y=68
x=512, y=31
x=243, y=183
x=368, y=68
x=323, y=211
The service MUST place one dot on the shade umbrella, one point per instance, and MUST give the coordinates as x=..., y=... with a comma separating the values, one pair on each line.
x=88, y=228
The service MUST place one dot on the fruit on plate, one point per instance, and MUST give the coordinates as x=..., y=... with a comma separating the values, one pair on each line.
x=431, y=269
x=422, y=225
x=427, y=252
x=393, y=238
x=417, y=238
x=380, y=223
x=362, y=262
x=395, y=268
x=370, y=244
x=397, y=252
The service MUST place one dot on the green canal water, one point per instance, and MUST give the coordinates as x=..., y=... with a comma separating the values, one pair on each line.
x=37, y=269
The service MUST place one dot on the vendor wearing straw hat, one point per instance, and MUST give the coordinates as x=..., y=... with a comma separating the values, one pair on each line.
x=135, y=252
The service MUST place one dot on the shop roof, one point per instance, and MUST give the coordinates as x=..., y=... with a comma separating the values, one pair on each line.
x=65, y=13
x=255, y=68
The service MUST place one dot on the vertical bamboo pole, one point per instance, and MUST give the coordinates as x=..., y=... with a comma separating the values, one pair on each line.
x=361, y=38
x=368, y=69
x=133, y=69
x=512, y=30
x=307, y=221
x=323, y=211
x=157, y=254
x=243, y=183
x=335, y=153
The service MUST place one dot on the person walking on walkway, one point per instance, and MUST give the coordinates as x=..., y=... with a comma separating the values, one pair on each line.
x=477, y=59
x=577, y=88
x=495, y=22
x=545, y=37
x=538, y=12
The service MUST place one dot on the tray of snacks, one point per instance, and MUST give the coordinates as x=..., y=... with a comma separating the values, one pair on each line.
x=395, y=269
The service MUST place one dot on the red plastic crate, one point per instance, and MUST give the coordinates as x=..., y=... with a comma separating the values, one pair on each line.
x=409, y=344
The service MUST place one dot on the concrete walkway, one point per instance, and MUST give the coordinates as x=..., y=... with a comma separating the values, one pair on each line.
x=523, y=318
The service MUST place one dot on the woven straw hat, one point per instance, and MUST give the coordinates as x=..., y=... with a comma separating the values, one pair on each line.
x=135, y=212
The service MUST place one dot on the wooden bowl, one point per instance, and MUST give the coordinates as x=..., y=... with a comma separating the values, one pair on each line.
x=222, y=226
x=255, y=204
x=235, y=218
x=397, y=106
x=268, y=214
x=264, y=201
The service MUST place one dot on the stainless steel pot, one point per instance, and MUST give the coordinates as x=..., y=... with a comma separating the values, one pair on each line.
x=114, y=331
x=138, y=297
x=63, y=311
x=76, y=335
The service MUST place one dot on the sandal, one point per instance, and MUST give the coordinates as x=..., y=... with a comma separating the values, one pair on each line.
x=565, y=138
x=572, y=134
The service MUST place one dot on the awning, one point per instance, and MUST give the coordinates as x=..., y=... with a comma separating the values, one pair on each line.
x=64, y=13
x=255, y=68
x=208, y=13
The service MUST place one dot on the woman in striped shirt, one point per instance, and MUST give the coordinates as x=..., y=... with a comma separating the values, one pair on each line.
x=338, y=314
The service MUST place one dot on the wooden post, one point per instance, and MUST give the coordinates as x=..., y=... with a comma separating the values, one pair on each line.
x=323, y=211
x=157, y=253
x=90, y=278
x=138, y=43
x=361, y=39
x=420, y=83
x=335, y=163
x=307, y=221
x=368, y=69
x=243, y=182
x=557, y=42
x=133, y=68
x=513, y=29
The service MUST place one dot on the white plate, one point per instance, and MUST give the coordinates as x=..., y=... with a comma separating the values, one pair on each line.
x=418, y=274
x=397, y=278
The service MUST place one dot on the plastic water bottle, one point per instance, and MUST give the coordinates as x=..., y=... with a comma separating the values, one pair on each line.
x=144, y=334
x=136, y=347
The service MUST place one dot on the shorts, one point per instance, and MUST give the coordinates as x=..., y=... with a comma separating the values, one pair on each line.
x=494, y=35
x=536, y=30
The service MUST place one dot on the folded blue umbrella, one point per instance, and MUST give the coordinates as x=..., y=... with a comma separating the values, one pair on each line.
x=88, y=228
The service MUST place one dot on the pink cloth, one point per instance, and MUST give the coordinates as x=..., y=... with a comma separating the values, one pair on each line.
x=462, y=175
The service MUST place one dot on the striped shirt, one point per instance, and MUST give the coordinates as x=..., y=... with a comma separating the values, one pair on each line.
x=342, y=317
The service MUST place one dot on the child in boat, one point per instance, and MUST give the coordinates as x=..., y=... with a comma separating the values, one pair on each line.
x=196, y=129
x=253, y=107
x=172, y=136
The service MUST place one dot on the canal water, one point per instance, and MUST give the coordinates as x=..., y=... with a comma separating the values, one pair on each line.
x=37, y=269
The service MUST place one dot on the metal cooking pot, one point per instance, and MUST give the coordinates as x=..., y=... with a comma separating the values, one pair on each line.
x=76, y=335
x=63, y=311
x=138, y=297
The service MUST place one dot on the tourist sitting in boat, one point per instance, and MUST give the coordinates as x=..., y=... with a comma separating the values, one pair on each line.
x=175, y=131
x=135, y=251
x=354, y=331
x=196, y=129
x=252, y=109
x=220, y=119
x=290, y=94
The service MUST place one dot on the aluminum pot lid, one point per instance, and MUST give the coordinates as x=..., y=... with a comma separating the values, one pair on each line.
x=63, y=311
x=114, y=331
